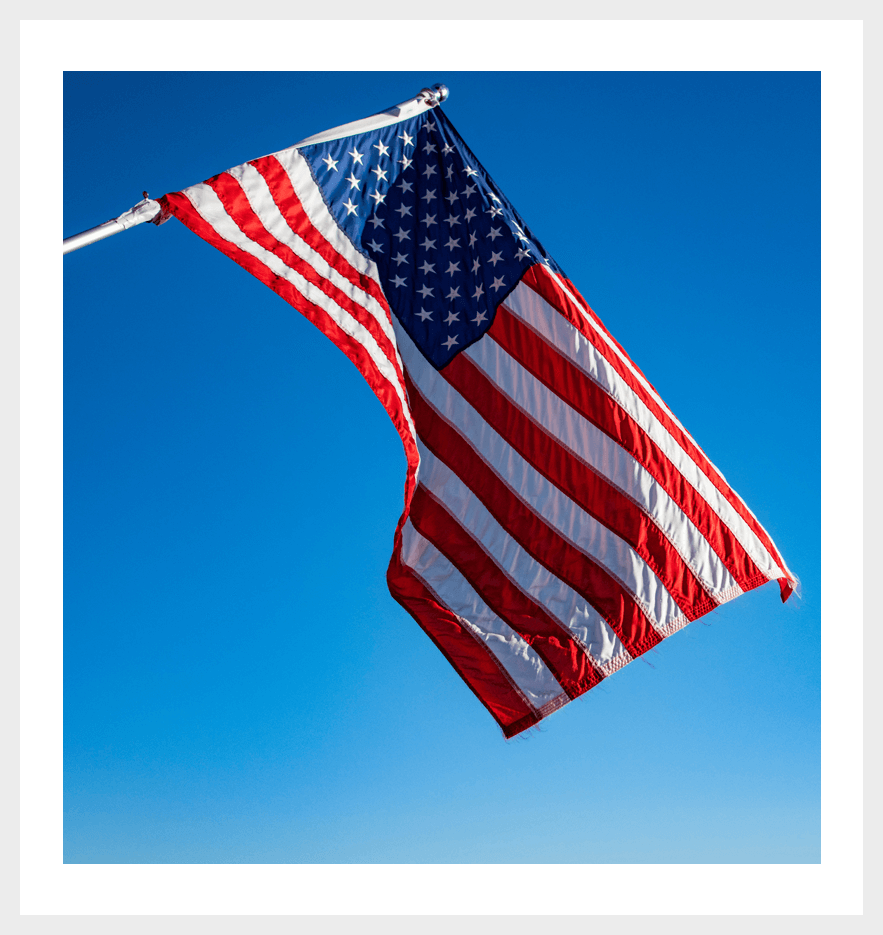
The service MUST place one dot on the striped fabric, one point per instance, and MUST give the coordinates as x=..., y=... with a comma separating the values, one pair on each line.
x=559, y=521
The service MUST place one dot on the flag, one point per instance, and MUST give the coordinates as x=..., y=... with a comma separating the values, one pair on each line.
x=559, y=521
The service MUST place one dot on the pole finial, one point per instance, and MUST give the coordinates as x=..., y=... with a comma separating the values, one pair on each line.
x=435, y=95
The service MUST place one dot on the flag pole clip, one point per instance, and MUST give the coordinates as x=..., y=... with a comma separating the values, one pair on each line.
x=146, y=210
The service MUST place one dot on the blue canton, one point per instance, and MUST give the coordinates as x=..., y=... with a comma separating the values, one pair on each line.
x=447, y=243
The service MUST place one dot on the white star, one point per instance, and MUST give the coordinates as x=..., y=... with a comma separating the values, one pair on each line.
x=452, y=317
x=428, y=267
x=403, y=234
x=452, y=220
x=429, y=147
x=522, y=253
x=447, y=148
x=429, y=170
x=357, y=156
x=450, y=342
x=354, y=182
x=405, y=161
x=331, y=163
x=429, y=220
x=495, y=258
x=492, y=195
x=425, y=291
x=497, y=283
x=350, y=207
x=452, y=197
x=403, y=210
x=400, y=258
x=399, y=281
x=454, y=293
x=494, y=233
x=409, y=140
x=376, y=221
x=453, y=268
x=493, y=211
x=378, y=198
x=479, y=292
x=476, y=265
x=470, y=214
x=451, y=244
x=380, y=173
x=472, y=239
x=428, y=195
x=428, y=244
x=382, y=150
x=424, y=315
x=449, y=172
x=376, y=247
x=469, y=190
x=470, y=171
x=405, y=186
x=479, y=318
x=429, y=124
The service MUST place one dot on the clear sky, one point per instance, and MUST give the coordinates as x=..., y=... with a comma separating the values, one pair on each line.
x=239, y=685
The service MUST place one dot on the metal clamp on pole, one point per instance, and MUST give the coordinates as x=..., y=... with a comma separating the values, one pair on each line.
x=145, y=210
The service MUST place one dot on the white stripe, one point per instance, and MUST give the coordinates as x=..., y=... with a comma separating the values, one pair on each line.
x=615, y=350
x=261, y=200
x=559, y=600
x=310, y=196
x=547, y=321
x=210, y=208
x=601, y=544
x=768, y=565
x=543, y=318
x=605, y=456
x=526, y=669
x=313, y=204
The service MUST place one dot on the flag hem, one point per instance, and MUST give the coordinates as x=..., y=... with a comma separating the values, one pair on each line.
x=384, y=118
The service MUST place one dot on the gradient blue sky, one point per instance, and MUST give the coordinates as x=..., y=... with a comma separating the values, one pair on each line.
x=239, y=686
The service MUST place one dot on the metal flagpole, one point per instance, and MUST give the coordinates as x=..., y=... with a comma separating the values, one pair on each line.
x=148, y=209
x=145, y=210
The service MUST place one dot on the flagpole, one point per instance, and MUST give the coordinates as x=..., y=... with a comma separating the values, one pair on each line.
x=145, y=210
x=148, y=209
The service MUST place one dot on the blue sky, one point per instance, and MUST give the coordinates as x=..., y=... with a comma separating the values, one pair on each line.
x=239, y=686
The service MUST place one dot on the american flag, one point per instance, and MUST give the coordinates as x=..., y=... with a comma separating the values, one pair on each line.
x=559, y=521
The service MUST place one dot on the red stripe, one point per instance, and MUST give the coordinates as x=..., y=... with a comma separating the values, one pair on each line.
x=560, y=466
x=291, y=207
x=295, y=214
x=232, y=196
x=591, y=313
x=566, y=659
x=582, y=394
x=542, y=283
x=576, y=569
x=178, y=204
x=470, y=657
